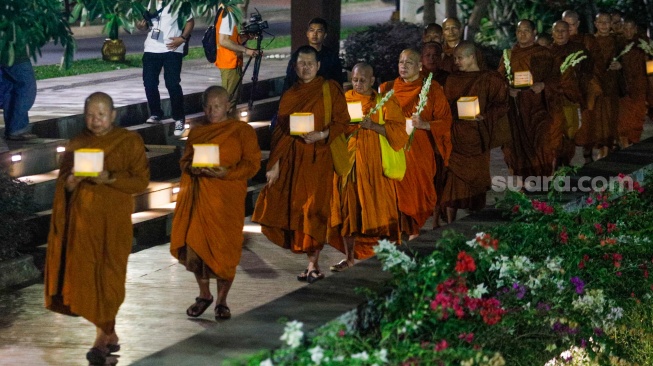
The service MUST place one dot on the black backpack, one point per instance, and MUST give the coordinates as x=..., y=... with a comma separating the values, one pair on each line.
x=209, y=42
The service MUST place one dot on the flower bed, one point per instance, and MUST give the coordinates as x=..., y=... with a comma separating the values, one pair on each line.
x=551, y=286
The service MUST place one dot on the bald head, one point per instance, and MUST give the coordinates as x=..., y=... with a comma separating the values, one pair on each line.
x=571, y=14
x=363, y=67
x=527, y=23
x=431, y=56
x=571, y=17
x=432, y=33
x=466, y=48
x=411, y=53
x=560, y=32
x=409, y=64
x=98, y=97
x=362, y=78
x=214, y=91
x=451, y=30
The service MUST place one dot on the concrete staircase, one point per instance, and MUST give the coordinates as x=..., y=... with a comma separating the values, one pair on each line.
x=36, y=162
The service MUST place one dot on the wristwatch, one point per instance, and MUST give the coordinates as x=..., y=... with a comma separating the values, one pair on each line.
x=182, y=36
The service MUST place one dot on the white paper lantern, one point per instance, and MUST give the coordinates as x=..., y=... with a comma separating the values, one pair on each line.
x=355, y=111
x=409, y=126
x=206, y=155
x=649, y=67
x=88, y=162
x=523, y=79
x=301, y=123
x=468, y=107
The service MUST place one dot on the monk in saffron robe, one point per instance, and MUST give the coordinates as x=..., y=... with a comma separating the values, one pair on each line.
x=468, y=178
x=603, y=96
x=431, y=130
x=366, y=200
x=91, y=230
x=529, y=152
x=431, y=59
x=295, y=206
x=432, y=33
x=451, y=30
x=632, y=106
x=207, y=229
x=566, y=93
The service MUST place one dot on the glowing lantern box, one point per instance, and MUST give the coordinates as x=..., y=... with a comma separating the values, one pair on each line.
x=523, y=79
x=468, y=107
x=88, y=162
x=649, y=67
x=409, y=126
x=301, y=123
x=206, y=155
x=355, y=111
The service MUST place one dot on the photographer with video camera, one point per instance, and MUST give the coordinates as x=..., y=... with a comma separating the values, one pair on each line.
x=230, y=53
x=163, y=50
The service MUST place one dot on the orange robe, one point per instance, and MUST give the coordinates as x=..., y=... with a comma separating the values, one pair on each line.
x=210, y=212
x=530, y=152
x=294, y=212
x=91, y=230
x=468, y=177
x=365, y=202
x=632, y=106
x=416, y=192
x=566, y=97
x=603, y=96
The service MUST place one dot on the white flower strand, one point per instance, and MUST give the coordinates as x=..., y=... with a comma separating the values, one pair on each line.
x=424, y=94
x=572, y=60
x=646, y=46
x=506, y=63
x=381, y=102
x=625, y=51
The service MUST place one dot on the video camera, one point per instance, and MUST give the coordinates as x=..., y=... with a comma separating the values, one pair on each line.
x=256, y=25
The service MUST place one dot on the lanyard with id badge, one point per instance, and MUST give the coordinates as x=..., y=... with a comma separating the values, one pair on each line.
x=154, y=16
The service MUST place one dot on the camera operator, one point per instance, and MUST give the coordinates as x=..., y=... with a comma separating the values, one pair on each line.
x=163, y=50
x=230, y=55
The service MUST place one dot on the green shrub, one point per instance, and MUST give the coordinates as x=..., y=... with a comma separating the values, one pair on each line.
x=15, y=206
x=380, y=46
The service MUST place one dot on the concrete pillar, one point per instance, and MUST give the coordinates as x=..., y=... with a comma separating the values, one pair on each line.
x=302, y=11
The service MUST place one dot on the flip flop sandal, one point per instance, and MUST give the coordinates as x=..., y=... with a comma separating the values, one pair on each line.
x=96, y=356
x=341, y=266
x=199, y=307
x=318, y=276
x=222, y=312
x=303, y=276
x=113, y=348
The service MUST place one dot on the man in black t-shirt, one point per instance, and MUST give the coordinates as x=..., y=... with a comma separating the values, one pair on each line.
x=330, y=67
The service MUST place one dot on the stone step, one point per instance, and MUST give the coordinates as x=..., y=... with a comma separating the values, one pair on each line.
x=32, y=157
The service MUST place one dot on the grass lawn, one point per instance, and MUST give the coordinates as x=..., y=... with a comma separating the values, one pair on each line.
x=91, y=66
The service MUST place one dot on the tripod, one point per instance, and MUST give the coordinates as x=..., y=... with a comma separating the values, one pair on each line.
x=257, y=68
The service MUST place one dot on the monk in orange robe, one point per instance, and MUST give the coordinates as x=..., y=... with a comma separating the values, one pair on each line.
x=432, y=33
x=207, y=229
x=91, y=230
x=294, y=207
x=431, y=60
x=566, y=91
x=452, y=32
x=603, y=95
x=366, y=200
x=632, y=106
x=467, y=179
x=529, y=152
x=431, y=129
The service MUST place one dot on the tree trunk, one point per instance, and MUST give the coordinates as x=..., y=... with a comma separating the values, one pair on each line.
x=474, y=23
x=429, y=12
x=451, y=9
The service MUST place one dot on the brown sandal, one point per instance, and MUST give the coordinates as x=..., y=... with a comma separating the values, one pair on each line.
x=199, y=307
x=222, y=312
x=341, y=266
x=314, y=276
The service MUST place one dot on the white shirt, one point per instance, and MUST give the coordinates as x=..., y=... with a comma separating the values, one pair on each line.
x=227, y=25
x=167, y=24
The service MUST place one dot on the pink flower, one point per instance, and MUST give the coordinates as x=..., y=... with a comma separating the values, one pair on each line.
x=441, y=346
x=467, y=337
x=564, y=237
x=589, y=200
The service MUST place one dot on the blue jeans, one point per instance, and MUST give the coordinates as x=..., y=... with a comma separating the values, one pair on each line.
x=170, y=62
x=18, y=86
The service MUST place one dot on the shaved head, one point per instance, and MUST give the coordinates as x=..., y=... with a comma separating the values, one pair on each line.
x=98, y=97
x=452, y=20
x=561, y=23
x=527, y=22
x=411, y=53
x=466, y=48
x=214, y=90
x=572, y=14
x=363, y=67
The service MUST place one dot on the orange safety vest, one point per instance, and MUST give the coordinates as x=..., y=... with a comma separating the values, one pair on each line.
x=227, y=59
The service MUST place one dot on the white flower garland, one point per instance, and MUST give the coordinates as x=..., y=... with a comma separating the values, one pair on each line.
x=572, y=60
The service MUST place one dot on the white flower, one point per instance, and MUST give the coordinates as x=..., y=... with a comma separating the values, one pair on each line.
x=554, y=264
x=478, y=292
x=339, y=358
x=391, y=256
x=382, y=355
x=292, y=334
x=317, y=354
x=363, y=356
x=267, y=362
